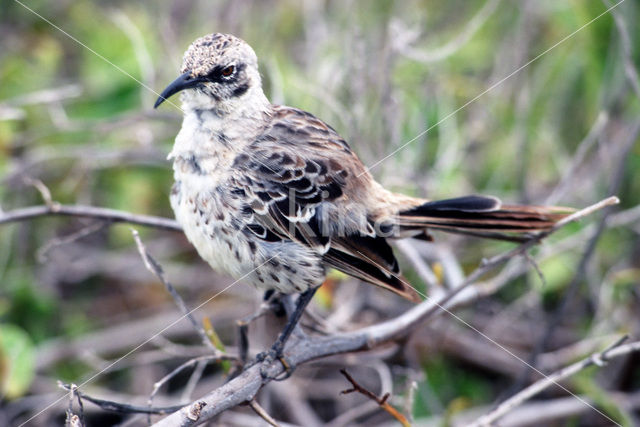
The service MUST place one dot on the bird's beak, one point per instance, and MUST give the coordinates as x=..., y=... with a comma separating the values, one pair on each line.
x=185, y=81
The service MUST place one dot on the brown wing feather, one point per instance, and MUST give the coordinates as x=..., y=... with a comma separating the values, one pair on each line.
x=370, y=259
x=296, y=177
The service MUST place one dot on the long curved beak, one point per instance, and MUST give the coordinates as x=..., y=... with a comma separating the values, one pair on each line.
x=185, y=81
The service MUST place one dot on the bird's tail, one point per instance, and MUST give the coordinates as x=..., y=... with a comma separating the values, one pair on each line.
x=482, y=216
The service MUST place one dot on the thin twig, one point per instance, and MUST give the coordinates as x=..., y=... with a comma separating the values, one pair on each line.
x=122, y=408
x=625, y=41
x=381, y=401
x=194, y=379
x=73, y=420
x=598, y=359
x=409, y=402
x=262, y=413
x=567, y=181
x=569, y=296
x=424, y=271
x=44, y=191
x=154, y=267
x=532, y=262
x=111, y=215
x=45, y=96
x=609, y=201
x=172, y=374
x=42, y=252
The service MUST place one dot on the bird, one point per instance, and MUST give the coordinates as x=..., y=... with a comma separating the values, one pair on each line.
x=274, y=196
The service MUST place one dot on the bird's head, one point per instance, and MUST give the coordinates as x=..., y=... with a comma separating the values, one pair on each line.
x=217, y=70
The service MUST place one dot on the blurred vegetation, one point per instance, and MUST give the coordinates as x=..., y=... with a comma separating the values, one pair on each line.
x=75, y=114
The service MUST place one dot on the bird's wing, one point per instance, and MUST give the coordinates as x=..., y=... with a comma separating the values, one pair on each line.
x=293, y=175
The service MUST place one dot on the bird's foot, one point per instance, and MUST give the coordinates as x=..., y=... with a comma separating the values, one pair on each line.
x=266, y=359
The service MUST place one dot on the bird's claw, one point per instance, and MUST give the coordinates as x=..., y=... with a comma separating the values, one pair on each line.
x=267, y=358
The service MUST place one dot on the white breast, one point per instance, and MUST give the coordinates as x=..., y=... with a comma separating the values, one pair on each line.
x=210, y=225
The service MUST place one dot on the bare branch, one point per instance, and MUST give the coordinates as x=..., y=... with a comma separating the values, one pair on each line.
x=625, y=40
x=421, y=267
x=567, y=182
x=598, y=359
x=46, y=96
x=122, y=408
x=609, y=201
x=154, y=267
x=110, y=215
x=158, y=384
x=43, y=190
x=72, y=419
x=381, y=401
x=262, y=413
x=42, y=253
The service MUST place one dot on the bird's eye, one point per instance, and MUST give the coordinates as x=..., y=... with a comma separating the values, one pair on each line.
x=228, y=71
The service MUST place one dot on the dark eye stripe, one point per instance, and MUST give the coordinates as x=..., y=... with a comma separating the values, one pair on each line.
x=216, y=76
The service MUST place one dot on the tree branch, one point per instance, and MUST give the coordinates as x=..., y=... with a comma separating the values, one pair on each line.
x=262, y=413
x=106, y=214
x=627, y=51
x=381, y=401
x=122, y=408
x=599, y=359
x=156, y=269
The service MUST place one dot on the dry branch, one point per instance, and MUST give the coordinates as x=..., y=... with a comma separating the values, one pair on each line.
x=122, y=408
x=262, y=413
x=106, y=214
x=154, y=267
x=381, y=401
x=158, y=384
x=627, y=52
x=598, y=359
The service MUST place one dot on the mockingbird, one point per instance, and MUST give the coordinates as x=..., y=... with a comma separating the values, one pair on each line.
x=274, y=196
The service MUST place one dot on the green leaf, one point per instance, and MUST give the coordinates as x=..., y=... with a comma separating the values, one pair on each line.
x=17, y=361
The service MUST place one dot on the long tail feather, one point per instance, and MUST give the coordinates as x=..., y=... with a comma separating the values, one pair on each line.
x=481, y=216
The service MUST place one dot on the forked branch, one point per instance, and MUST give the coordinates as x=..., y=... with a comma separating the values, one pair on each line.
x=598, y=359
x=383, y=401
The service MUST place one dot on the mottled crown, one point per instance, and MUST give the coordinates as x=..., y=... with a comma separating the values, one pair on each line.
x=216, y=49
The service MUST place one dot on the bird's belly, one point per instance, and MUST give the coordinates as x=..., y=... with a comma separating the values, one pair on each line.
x=218, y=233
x=210, y=227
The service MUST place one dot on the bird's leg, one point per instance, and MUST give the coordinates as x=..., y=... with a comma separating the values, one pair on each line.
x=268, y=294
x=292, y=322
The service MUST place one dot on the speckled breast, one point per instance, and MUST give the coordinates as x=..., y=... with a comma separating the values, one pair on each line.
x=214, y=222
